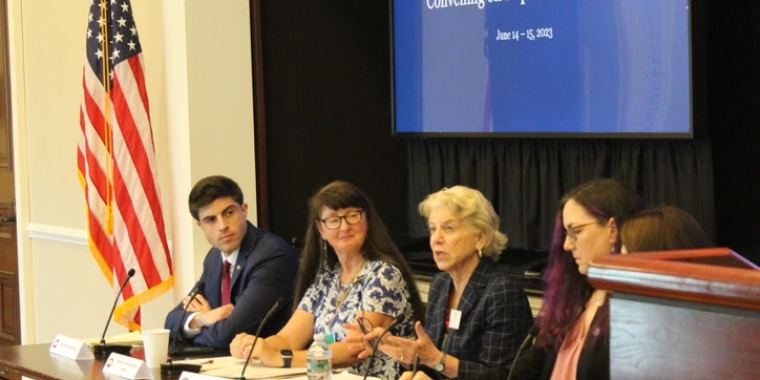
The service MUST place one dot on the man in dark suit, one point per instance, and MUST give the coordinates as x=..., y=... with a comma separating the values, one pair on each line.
x=262, y=268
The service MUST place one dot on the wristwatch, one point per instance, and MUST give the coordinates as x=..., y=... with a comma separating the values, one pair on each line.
x=439, y=365
x=287, y=357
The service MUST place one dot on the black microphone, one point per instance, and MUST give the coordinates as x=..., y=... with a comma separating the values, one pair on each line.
x=101, y=350
x=376, y=343
x=168, y=368
x=525, y=344
x=275, y=307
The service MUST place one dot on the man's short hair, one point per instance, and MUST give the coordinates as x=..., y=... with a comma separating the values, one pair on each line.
x=209, y=189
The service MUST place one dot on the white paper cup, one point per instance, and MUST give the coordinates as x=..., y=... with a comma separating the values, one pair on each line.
x=155, y=346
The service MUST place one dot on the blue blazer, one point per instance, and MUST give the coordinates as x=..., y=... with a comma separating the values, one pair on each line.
x=265, y=270
x=496, y=318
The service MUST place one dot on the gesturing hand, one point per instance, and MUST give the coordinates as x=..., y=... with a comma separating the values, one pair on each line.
x=358, y=340
x=405, y=350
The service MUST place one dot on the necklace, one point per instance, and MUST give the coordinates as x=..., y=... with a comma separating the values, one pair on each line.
x=343, y=291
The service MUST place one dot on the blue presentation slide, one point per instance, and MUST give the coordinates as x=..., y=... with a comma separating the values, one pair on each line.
x=537, y=66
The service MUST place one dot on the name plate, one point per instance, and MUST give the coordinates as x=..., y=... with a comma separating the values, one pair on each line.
x=70, y=348
x=126, y=367
x=197, y=376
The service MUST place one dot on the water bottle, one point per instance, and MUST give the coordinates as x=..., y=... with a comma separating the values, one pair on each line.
x=319, y=360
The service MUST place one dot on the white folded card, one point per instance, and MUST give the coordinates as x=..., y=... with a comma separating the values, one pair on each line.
x=70, y=348
x=127, y=367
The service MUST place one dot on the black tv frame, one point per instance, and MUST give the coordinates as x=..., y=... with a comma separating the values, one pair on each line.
x=698, y=88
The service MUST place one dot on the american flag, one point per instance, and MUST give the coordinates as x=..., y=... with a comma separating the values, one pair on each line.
x=117, y=165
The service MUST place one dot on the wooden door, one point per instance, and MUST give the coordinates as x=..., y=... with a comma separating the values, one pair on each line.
x=10, y=326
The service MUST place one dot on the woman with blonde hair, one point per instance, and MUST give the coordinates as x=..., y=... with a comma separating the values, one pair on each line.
x=477, y=315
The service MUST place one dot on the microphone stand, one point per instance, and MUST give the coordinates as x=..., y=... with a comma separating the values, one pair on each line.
x=171, y=369
x=102, y=350
x=377, y=344
x=271, y=311
x=528, y=339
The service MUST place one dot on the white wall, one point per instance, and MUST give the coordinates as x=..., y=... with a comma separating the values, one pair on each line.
x=198, y=74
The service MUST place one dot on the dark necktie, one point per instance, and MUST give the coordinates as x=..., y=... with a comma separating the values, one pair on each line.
x=226, y=280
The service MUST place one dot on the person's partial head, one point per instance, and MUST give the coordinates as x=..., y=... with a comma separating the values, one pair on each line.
x=463, y=226
x=216, y=203
x=591, y=216
x=661, y=229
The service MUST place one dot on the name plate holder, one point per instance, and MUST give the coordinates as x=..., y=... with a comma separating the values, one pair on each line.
x=70, y=348
x=126, y=367
x=197, y=376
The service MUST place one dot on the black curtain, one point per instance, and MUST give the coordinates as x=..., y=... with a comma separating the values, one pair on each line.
x=524, y=178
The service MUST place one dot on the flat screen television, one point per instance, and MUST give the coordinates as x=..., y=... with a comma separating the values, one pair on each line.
x=546, y=68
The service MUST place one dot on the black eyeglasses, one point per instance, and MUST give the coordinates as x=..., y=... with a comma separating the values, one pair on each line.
x=333, y=222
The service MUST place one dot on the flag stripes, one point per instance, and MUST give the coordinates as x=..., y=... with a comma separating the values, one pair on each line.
x=117, y=165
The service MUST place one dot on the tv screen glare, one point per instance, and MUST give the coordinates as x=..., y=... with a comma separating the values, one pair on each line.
x=542, y=68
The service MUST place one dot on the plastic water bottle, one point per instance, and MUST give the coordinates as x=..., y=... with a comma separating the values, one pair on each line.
x=319, y=360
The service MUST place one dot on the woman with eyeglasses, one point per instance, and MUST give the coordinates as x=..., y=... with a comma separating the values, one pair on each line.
x=477, y=315
x=573, y=337
x=350, y=270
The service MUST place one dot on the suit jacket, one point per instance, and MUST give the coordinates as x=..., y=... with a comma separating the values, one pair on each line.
x=496, y=318
x=538, y=363
x=593, y=362
x=265, y=270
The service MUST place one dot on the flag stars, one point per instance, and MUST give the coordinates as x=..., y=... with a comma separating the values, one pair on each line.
x=99, y=54
x=133, y=29
x=131, y=44
x=122, y=22
x=115, y=54
x=118, y=37
x=124, y=7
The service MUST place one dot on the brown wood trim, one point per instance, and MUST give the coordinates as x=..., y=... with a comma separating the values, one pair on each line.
x=6, y=151
x=260, y=135
x=668, y=275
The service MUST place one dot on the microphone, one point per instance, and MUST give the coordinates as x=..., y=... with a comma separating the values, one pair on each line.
x=275, y=307
x=376, y=344
x=102, y=350
x=525, y=344
x=170, y=369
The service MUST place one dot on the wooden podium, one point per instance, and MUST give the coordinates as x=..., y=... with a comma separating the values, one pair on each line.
x=691, y=314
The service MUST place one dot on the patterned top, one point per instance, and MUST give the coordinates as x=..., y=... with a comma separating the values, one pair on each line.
x=379, y=288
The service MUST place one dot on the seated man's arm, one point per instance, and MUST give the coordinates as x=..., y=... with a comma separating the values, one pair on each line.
x=177, y=319
x=269, y=274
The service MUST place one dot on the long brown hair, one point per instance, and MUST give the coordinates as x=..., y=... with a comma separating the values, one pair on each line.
x=377, y=245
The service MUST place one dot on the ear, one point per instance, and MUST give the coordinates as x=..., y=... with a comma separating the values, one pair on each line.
x=480, y=241
x=244, y=206
x=614, y=233
x=320, y=229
